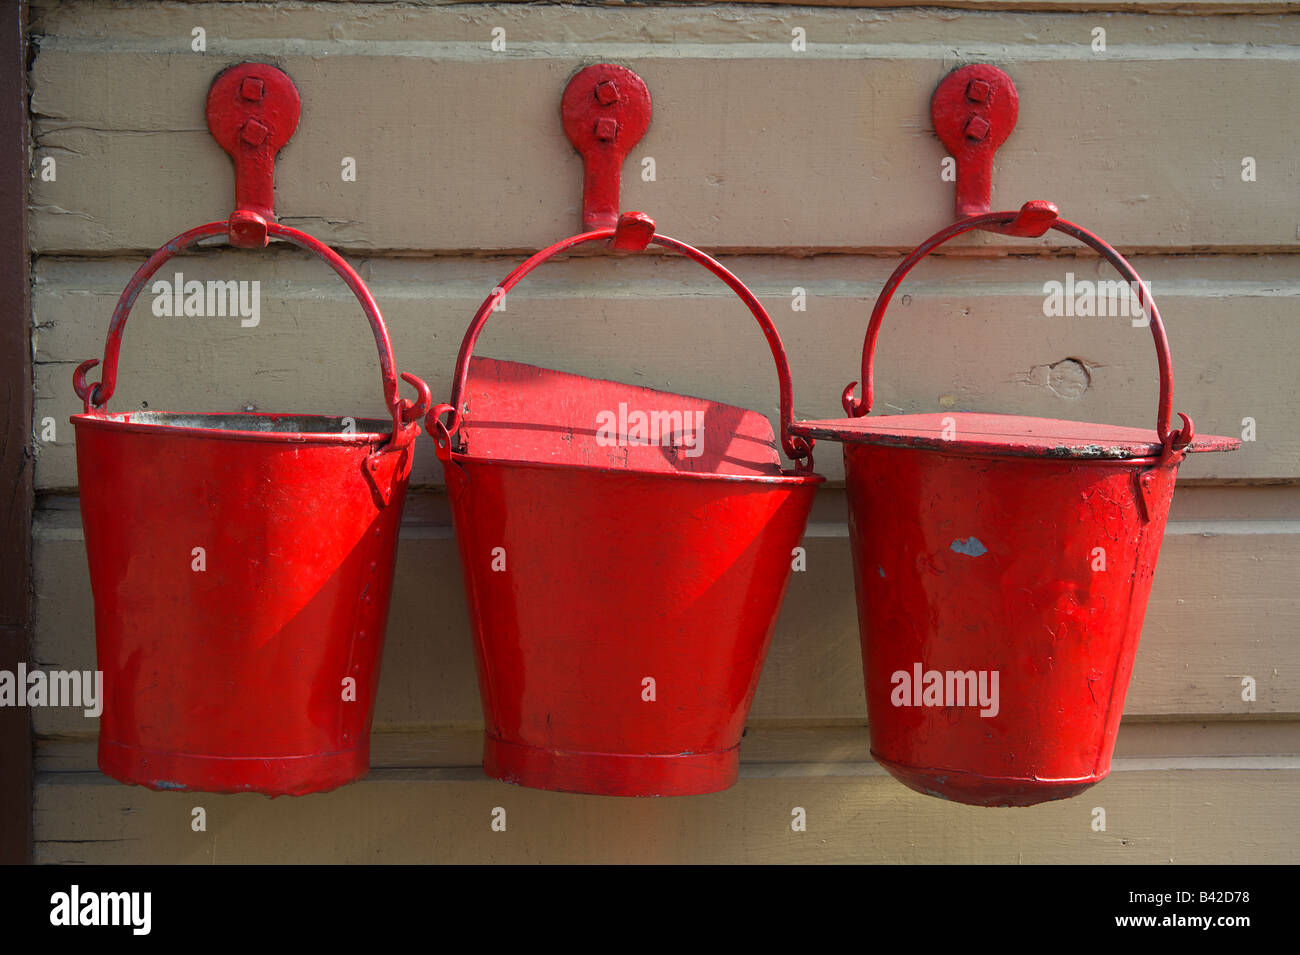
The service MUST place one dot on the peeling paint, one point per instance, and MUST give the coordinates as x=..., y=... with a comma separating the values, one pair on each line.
x=971, y=547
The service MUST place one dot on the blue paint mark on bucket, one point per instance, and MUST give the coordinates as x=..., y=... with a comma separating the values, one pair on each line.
x=167, y=784
x=880, y=570
x=971, y=547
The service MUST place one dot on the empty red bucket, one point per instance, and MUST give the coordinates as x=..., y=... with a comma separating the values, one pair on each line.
x=622, y=592
x=1002, y=567
x=241, y=565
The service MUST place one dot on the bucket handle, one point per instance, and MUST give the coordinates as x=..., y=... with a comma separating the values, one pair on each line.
x=633, y=233
x=1033, y=219
x=405, y=413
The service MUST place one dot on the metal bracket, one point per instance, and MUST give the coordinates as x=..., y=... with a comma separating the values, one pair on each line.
x=606, y=111
x=253, y=110
x=381, y=469
x=974, y=110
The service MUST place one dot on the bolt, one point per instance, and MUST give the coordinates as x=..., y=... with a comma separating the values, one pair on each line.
x=606, y=129
x=254, y=133
x=977, y=91
x=978, y=128
x=607, y=93
x=252, y=89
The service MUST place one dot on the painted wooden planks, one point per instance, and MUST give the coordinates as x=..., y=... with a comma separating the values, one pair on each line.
x=965, y=334
x=1220, y=611
x=754, y=143
x=1184, y=811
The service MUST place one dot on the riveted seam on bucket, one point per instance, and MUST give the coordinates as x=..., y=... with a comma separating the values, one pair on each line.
x=107, y=422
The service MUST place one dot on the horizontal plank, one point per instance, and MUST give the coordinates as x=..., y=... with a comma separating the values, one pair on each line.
x=966, y=334
x=44, y=10
x=1226, y=811
x=1220, y=610
x=451, y=745
x=606, y=22
x=484, y=165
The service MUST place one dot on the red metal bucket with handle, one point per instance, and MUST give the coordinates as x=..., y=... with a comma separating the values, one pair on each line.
x=241, y=565
x=1002, y=567
x=623, y=590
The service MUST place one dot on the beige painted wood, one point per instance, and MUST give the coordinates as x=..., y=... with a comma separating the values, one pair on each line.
x=758, y=149
x=966, y=335
x=1220, y=610
x=756, y=146
x=1227, y=812
x=528, y=24
x=450, y=745
x=82, y=20
x=1185, y=7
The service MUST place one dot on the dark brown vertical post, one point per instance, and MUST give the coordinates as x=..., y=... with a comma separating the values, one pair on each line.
x=16, y=395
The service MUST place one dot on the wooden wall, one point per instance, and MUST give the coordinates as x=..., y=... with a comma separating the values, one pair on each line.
x=808, y=169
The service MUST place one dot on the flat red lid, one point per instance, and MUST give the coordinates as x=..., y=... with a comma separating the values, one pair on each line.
x=1001, y=434
x=517, y=412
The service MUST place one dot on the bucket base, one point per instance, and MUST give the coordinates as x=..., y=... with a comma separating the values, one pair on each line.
x=269, y=775
x=975, y=790
x=610, y=774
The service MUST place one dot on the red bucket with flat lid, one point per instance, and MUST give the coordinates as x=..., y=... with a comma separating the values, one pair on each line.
x=625, y=554
x=1002, y=566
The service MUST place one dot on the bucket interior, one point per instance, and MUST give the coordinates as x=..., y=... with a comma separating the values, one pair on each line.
x=522, y=413
x=248, y=422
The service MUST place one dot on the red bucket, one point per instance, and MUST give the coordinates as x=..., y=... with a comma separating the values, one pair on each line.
x=1002, y=568
x=241, y=565
x=623, y=592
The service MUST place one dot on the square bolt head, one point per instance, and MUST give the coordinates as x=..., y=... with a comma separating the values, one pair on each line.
x=977, y=91
x=607, y=93
x=254, y=133
x=252, y=89
x=978, y=128
x=606, y=129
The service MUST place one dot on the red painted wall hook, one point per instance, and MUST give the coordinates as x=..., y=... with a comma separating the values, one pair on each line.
x=606, y=111
x=974, y=110
x=253, y=110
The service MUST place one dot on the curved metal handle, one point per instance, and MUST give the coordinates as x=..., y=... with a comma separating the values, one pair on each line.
x=634, y=232
x=1033, y=219
x=405, y=414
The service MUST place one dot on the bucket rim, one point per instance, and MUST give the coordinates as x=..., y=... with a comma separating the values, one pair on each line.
x=112, y=421
x=787, y=476
x=1004, y=436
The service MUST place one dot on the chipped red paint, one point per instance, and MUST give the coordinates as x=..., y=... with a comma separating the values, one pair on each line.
x=1001, y=544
